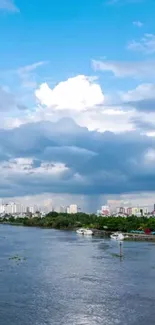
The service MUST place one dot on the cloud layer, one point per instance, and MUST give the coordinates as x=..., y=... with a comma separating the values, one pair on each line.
x=51, y=153
x=79, y=140
x=63, y=157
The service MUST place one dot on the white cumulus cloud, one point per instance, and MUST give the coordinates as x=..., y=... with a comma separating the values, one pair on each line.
x=77, y=93
x=82, y=99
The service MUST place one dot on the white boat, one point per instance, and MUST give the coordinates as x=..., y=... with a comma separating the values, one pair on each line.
x=88, y=232
x=83, y=231
x=80, y=231
x=117, y=236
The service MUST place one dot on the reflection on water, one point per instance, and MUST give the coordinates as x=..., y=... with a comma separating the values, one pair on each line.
x=63, y=278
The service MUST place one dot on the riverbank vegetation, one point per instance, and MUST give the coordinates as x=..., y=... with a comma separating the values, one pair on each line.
x=73, y=221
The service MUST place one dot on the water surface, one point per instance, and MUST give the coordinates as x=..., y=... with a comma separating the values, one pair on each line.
x=61, y=278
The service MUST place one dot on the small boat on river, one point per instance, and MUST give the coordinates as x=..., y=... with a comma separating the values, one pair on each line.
x=117, y=236
x=83, y=231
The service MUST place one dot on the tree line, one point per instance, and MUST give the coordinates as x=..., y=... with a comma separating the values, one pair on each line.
x=74, y=221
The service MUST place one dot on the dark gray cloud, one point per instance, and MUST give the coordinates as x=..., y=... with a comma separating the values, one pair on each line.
x=142, y=124
x=96, y=163
x=144, y=105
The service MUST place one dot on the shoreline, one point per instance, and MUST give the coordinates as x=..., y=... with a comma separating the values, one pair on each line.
x=96, y=232
x=131, y=237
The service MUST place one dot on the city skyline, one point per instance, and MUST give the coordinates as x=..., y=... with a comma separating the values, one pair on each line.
x=111, y=207
x=126, y=210
x=89, y=204
x=12, y=207
x=77, y=105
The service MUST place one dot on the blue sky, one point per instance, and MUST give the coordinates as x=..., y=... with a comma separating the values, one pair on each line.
x=87, y=65
x=70, y=33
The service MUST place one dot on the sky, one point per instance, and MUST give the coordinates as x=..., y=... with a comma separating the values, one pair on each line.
x=77, y=101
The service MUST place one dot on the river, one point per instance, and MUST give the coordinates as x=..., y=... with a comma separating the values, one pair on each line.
x=61, y=278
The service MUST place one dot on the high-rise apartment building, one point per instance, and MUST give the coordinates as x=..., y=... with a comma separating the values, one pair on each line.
x=135, y=211
x=145, y=210
x=68, y=210
x=73, y=209
x=31, y=210
x=129, y=211
x=12, y=208
x=122, y=210
x=105, y=210
x=2, y=208
x=63, y=209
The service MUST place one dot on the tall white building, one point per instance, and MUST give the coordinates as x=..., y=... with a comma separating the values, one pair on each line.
x=12, y=208
x=68, y=210
x=16, y=208
x=23, y=209
x=31, y=209
x=63, y=209
x=73, y=208
x=2, y=208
